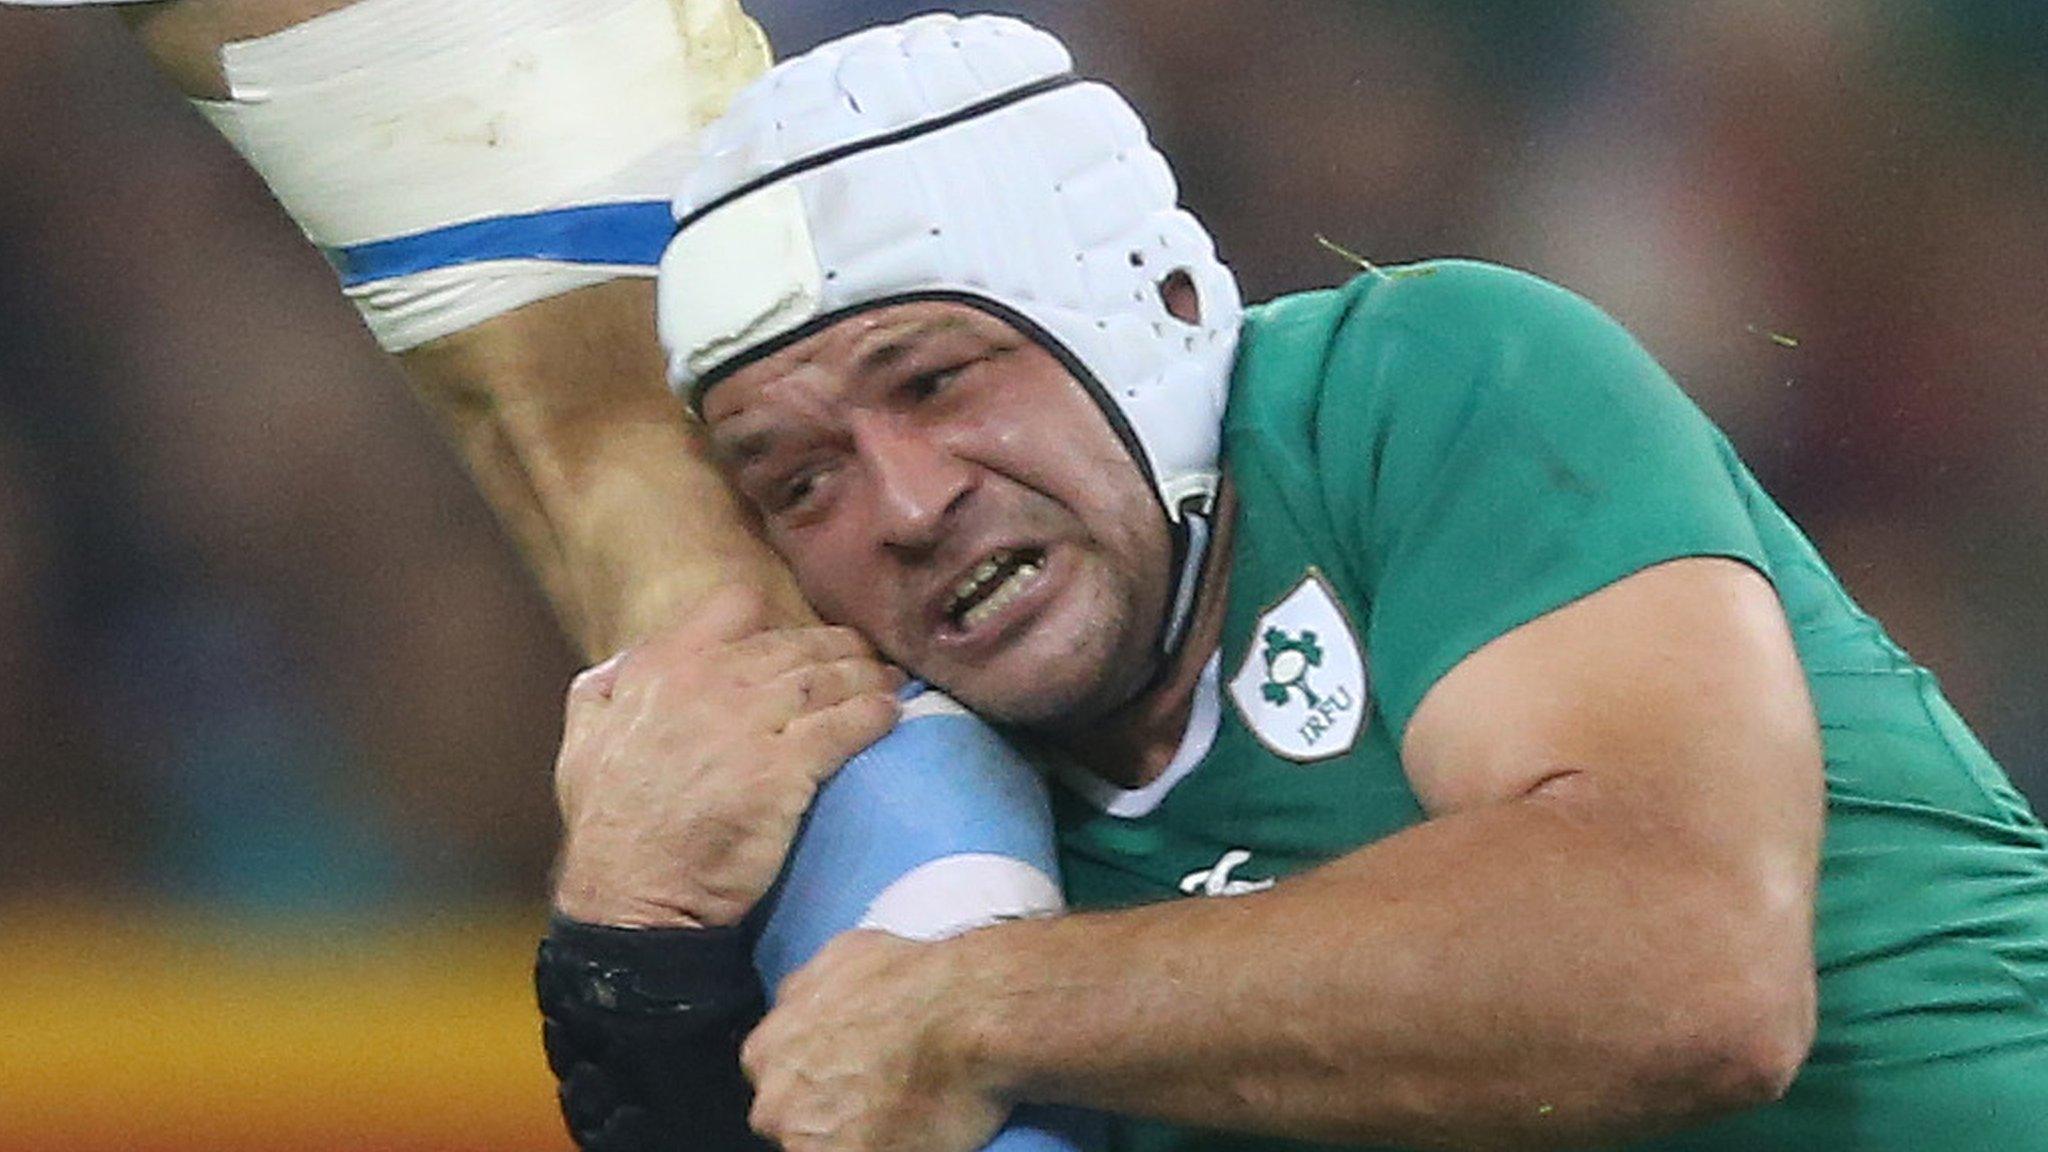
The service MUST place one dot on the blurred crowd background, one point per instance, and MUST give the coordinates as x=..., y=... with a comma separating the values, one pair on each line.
x=265, y=661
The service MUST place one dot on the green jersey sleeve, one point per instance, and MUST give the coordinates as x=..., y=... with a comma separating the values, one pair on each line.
x=1503, y=448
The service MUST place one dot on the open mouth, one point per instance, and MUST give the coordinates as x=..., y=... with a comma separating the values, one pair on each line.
x=995, y=582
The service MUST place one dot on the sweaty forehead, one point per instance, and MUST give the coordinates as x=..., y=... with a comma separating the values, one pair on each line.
x=843, y=352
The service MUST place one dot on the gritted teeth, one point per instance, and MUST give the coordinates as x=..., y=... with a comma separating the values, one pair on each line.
x=994, y=582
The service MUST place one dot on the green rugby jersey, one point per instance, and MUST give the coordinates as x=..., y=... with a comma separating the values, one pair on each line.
x=1428, y=459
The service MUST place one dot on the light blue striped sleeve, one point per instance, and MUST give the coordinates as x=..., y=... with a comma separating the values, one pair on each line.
x=939, y=827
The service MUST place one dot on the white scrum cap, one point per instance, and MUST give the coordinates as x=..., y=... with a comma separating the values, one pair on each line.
x=960, y=159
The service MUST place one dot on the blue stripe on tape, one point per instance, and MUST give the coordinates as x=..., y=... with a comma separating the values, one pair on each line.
x=629, y=233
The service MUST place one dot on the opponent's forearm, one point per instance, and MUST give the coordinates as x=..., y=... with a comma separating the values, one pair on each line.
x=1526, y=975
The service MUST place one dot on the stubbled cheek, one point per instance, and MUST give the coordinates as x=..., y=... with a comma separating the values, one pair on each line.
x=829, y=598
x=842, y=594
x=1006, y=437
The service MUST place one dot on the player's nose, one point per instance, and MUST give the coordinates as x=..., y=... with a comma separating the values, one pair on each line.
x=917, y=483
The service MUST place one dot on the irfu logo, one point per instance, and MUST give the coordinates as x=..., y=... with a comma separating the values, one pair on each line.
x=1301, y=688
x=1287, y=663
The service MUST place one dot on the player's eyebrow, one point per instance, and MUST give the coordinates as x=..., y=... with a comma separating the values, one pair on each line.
x=748, y=447
x=887, y=344
x=744, y=448
x=875, y=350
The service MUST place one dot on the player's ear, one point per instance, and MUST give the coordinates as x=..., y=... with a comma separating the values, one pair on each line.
x=1178, y=293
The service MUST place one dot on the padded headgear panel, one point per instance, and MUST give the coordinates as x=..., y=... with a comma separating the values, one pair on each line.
x=957, y=159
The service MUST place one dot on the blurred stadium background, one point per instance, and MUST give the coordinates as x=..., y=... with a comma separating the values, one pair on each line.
x=277, y=705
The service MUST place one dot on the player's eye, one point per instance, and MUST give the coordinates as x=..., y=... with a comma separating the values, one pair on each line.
x=799, y=494
x=796, y=490
x=926, y=385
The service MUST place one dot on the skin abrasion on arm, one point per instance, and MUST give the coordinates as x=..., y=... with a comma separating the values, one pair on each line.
x=1605, y=930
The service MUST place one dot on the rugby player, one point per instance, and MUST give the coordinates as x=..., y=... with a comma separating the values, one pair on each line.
x=491, y=179
x=1459, y=748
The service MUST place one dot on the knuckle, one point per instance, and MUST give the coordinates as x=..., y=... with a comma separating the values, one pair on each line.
x=844, y=640
x=879, y=677
x=838, y=733
x=753, y=1054
x=634, y=671
x=763, y=657
x=579, y=691
x=596, y=682
x=789, y=991
x=580, y=712
x=837, y=951
x=873, y=715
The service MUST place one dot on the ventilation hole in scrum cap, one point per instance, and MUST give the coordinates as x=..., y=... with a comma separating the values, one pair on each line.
x=1178, y=295
x=1137, y=258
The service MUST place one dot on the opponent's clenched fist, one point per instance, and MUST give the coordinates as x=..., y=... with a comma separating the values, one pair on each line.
x=688, y=761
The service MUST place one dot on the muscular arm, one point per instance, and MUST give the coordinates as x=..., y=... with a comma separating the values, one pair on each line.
x=558, y=409
x=1604, y=930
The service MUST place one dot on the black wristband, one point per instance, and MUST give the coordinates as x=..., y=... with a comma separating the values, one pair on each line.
x=655, y=971
x=643, y=1030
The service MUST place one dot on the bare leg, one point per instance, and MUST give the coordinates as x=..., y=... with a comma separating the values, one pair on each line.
x=559, y=410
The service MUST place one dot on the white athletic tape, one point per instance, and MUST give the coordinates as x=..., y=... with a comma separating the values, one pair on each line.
x=391, y=121
x=738, y=279
x=956, y=894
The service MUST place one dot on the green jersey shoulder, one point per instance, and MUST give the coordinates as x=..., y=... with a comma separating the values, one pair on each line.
x=1427, y=458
